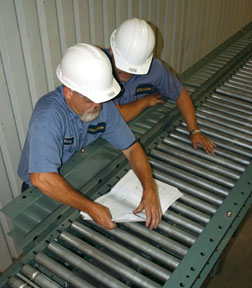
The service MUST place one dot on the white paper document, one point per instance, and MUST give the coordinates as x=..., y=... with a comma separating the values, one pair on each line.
x=126, y=195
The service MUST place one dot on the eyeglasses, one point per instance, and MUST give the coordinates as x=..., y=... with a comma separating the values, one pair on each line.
x=83, y=98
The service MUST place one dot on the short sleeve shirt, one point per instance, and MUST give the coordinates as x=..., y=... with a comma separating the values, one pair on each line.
x=56, y=133
x=158, y=80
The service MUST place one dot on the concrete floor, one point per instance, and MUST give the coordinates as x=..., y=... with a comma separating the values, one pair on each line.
x=236, y=261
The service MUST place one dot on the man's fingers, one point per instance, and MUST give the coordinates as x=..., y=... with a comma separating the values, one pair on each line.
x=148, y=217
x=139, y=208
x=103, y=217
x=153, y=218
x=206, y=144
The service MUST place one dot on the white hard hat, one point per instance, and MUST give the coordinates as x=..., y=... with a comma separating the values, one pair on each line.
x=132, y=45
x=86, y=69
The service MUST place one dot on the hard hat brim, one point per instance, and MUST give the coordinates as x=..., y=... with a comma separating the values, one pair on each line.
x=132, y=69
x=95, y=95
x=104, y=96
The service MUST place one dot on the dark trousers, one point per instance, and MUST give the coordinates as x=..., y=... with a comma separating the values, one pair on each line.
x=24, y=187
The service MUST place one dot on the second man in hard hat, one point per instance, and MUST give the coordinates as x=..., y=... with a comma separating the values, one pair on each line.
x=145, y=79
x=73, y=116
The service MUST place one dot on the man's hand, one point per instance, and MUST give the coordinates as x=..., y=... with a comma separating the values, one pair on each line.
x=152, y=99
x=199, y=138
x=56, y=187
x=150, y=202
x=131, y=110
x=101, y=215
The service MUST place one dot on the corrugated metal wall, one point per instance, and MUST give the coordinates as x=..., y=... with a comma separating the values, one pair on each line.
x=35, y=33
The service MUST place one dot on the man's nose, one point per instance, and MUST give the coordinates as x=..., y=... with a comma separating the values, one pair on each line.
x=96, y=105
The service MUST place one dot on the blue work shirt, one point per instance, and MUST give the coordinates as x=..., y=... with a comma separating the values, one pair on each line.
x=56, y=133
x=158, y=80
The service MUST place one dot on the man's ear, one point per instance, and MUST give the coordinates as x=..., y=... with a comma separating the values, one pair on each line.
x=67, y=92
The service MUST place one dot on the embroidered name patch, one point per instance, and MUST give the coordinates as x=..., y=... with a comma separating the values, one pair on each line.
x=99, y=128
x=144, y=88
x=68, y=141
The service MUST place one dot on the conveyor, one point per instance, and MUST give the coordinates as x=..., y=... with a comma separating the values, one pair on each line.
x=61, y=250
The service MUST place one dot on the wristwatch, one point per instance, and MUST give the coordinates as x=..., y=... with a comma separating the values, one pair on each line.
x=194, y=131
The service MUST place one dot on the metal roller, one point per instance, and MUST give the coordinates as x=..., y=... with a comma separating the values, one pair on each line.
x=138, y=131
x=198, y=204
x=133, y=258
x=194, y=82
x=207, y=164
x=148, y=249
x=183, y=222
x=209, y=69
x=239, y=81
x=213, y=158
x=109, y=262
x=61, y=271
x=27, y=280
x=176, y=248
x=143, y=125
x=229, y=115
x=239, y=138
x=188, y=188
x=218, y=64
x=223, y=149
x=236, y=48
x=225, y=121
x=246, y=96
x=177, y=234
x=15, y=282
x=234, y=103
x=241, y=77
x=230, y=54
x=190, y=212
x=85, y=266
x=189, y=89
x=200, y=171
x=246, y=71
x=248, y=67
x=206, y=72
x=239, y=86
x=223, y=140
x=199, y=77
x=215, y=66
x=241, y=116
x=189, y=177
x=221, y=60
x=38, y=277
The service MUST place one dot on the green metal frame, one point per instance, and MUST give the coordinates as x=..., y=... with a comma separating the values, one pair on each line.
x=203, y=255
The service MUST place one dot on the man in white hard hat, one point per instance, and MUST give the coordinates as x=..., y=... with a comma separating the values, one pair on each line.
x=71, y=117
x=145, y=79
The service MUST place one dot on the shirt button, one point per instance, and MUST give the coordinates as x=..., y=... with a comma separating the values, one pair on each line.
x=83, y=150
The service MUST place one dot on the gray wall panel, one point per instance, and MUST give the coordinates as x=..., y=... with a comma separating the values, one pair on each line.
x=35, y=33
x=32, y=48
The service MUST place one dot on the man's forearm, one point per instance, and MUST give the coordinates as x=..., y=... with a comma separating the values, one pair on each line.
x=185, y=105
x=131, y=110
x=140, y=165
x=57, y=188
